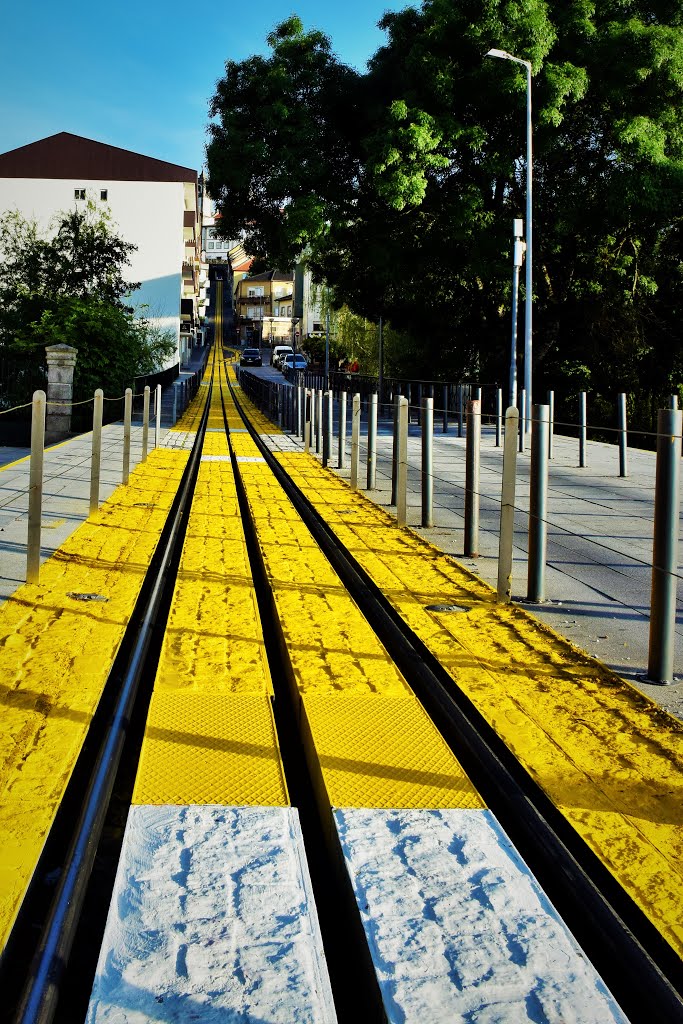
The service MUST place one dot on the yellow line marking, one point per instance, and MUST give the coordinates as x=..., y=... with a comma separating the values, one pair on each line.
x=608, y=757
x=55, y=656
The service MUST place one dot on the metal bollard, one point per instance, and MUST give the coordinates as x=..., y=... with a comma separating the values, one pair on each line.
x=175, y=406
x=444, y=400
x=427, y=462
x=96, y=457
x=460, y=409
x=499, y=415
x=661, y=649
x=472, y=460
x=35, y=486
x=419, y=404
x=551, y=422
x=522, y=407
x=157, y=417
x=402, y=463
x=355, y=440
x=327, y=427
x=311, y=417
x=507, y=506
x=582, y=429
x=477, y=395
x=538, y=504
x=372, y=443
x=394, y=451
x=145, y=422
x=300, y=419
x=319, y=422
x=623, y=439
x=127, y=416
x=341, y=460
x=307, y=420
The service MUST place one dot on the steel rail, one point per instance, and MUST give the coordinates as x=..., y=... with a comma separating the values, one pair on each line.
x=636, y=963
x=40, y=995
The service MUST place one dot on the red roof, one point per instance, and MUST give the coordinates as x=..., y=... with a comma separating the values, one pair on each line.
x=71, y=156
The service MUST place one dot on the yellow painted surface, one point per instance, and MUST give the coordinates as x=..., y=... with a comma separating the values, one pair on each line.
x=383, y=752
x=203, y=748
x=55, y=656
x=608, y=757
x=371, y=738
x=210, y=735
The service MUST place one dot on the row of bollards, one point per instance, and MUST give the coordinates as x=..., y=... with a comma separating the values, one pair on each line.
x=36, y=464
x=665, y=548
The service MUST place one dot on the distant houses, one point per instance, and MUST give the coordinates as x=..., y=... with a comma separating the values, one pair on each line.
x=153, y=204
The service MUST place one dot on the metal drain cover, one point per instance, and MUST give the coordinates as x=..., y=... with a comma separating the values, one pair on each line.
x=88, y=597
x=446, y=608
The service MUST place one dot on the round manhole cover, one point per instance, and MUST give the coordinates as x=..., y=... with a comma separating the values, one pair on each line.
x=446, y=608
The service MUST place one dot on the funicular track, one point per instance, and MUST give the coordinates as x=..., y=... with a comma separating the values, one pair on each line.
x=627, y=951
x=639, y=967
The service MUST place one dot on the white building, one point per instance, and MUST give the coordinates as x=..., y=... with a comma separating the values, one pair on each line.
x=153, y=204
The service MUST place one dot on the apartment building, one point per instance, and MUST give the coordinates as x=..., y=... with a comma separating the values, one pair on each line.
x=153, y=204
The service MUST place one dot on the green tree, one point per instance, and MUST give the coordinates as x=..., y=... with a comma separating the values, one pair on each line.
x=283, y=151
x=68, y=286
x=434, y=174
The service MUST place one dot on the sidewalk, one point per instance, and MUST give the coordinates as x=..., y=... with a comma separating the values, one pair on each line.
x=66, y=494
x=599, y=537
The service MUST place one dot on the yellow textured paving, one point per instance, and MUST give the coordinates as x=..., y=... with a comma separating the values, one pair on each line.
x=210, y=735
x=608, y=757
x=353, y=697
x=210, y=749
x=55, y=655
x=383, y=752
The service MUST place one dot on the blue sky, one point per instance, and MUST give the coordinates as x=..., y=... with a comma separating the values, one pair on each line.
x=139, y=74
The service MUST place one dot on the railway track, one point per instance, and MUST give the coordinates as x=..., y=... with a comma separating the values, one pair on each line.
x=637, y=965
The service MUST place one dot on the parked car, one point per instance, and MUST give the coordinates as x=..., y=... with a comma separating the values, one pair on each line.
x=293, y=362
x=251, y=357
x=279, y=352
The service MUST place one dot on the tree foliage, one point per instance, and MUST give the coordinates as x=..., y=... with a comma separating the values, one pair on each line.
x=67, y=286
x=401, y=184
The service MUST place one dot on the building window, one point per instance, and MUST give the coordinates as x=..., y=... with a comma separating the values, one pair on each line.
x=289, y=310
x=104, y=194
x=212, y=233
x=317, y=328
x=211, y=245
x=79, y=193
x=277, y=311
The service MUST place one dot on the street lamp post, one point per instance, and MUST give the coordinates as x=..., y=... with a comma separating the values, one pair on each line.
x=518, y=247
x=528, y=311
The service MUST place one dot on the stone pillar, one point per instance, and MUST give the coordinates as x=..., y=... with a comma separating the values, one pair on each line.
x=61, y=360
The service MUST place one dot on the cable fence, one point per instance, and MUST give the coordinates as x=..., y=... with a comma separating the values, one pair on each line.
x=356, y=420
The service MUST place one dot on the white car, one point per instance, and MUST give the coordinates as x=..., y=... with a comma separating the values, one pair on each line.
x=279, y=352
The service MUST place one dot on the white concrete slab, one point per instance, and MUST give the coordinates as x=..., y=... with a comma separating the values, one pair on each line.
x=212, y=919
x=459, y=930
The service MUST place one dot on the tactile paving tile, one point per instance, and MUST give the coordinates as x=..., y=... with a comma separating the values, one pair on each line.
x=376, y=751
x=201, y=749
